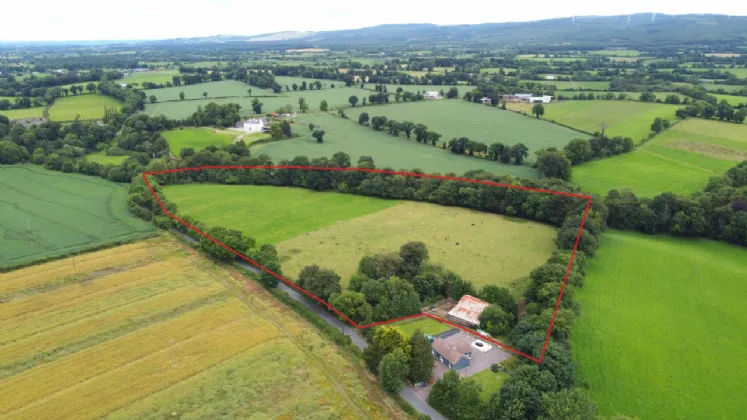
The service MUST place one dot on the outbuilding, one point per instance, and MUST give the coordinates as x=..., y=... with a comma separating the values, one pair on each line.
x=468, y=310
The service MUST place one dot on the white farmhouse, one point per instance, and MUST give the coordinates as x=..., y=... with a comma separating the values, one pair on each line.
x=485, y=100
x=432, y=95
x=257, y=125
x=540, y=99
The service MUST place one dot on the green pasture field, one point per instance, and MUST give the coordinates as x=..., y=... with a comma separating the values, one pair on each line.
x=89, y=107
x=154, y=76
x=16, y=114
x=337, y=97
x=457, y=118
x=711, y=138
x=739, y=72
x=387, y=151
x=490, y=70
x=270, y=214
x=631, y=96
x=623, y=118
x=731, y=99
x=289, y=81
x=196, y=138
x=104, y=159
x=213, y=89
x=679, y=160
x=574, y=85
x=618, y=53
x=661, y=333
x=48, y=214
x=712, y=87
x=416, y=88
x=558, y=59
x=325, y=229
x=425, y=325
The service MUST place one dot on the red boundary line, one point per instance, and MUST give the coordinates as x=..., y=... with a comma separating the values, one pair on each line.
x=387, y=172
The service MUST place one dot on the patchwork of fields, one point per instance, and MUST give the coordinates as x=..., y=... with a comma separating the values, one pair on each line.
x=387, y=151
x=89, y=107
x=456, y=118
x=326, y=229
x=679, y=160
x=662, y=329
x=48, y=214
x=154, y=330
x=623, y=118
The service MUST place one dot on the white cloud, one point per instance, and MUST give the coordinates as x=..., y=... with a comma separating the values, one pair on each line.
x=158, y=19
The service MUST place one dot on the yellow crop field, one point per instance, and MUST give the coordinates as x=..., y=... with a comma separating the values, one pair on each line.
x=150, y=326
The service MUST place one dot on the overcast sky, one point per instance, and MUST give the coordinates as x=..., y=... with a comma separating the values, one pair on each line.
x=63, y=20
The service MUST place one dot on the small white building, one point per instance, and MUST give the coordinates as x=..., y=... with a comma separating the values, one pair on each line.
x=124, y=85
x=550, y=77
x=257, y=125
x=432, y=95
x=485, y=100
x=540, y=99
x=523, y=96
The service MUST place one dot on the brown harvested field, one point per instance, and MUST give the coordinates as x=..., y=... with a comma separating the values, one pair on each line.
x=481, y=247
x=155, y=330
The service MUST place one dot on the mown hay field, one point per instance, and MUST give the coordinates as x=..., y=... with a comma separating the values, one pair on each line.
x=679, y=160
x=623, y=118
x=336, y=230
x=661, y=334
x=456, y=118
x=48, y=214
x=154, y=330
x=88, y=107
x=348, y=136
x=195, y=138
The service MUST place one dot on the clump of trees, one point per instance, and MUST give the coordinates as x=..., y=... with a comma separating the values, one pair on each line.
x=722, y=111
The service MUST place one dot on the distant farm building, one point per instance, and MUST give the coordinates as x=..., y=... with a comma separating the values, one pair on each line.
x=485, y=100
x=540, y=99
x=468, y=310
x=432, y=95
x=550, y=77
x=257, y=125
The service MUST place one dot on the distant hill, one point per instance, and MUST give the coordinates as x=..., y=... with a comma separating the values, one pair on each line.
x=639, y=29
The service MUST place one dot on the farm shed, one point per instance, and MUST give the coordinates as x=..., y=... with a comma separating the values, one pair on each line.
x=468, y=310
x=485, y=100
x=432, y=95
x=257, y=125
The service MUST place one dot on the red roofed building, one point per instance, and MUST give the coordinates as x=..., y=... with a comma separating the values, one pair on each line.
x=468, y=311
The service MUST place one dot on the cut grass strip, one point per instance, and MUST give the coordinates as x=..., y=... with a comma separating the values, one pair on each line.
x=156, y=371
x=40, y=347
x=23, y=389
x=78, y=294
x=23, y=327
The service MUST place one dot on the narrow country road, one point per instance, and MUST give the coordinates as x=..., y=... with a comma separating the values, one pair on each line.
x=407, y=393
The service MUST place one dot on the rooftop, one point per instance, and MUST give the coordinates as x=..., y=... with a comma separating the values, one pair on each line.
x=469, y=309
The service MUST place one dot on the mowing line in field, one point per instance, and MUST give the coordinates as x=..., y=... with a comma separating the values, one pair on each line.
x=79, y=293
x=386, y=172
x=49, y=379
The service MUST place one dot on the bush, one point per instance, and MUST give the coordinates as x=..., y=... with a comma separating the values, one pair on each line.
x=494, y=367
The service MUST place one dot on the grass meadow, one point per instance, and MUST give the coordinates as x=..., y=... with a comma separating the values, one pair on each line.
x=387, y=151
x=196, y=138
x=213, y=89
x=623, y=118
x=679, y=160
x=155, y=76
x=48, y=214
x=89, y=107
x=712, y=87
x=270, y=214
x=104, y=159
x=481, y=247
x=154, y=330
x=490, y=382
x=337, y=97
x=574, y=85
x=617, y=53
x=16, y=114
x=425, y=325
x=325, y=229
x=455, y=118
x=662, y=329
x=731, y=99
